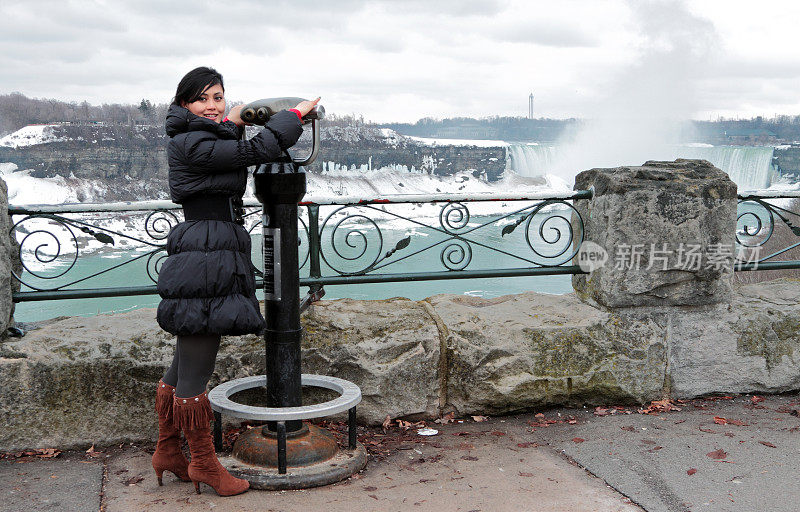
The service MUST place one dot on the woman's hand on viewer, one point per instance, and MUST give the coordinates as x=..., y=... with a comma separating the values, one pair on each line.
x=304, y=107
x=235, y=115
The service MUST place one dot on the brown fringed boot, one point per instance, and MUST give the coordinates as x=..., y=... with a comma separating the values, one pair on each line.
x=168, y=455
x=193, y=416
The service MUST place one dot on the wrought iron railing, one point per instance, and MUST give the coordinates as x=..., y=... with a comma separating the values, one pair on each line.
x=351, y=240
x=344, y=240
x=765, y=230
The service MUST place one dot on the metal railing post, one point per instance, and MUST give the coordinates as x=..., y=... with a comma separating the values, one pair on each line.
x=315, y=271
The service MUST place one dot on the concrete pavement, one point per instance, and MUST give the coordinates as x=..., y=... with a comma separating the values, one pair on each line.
x=734, y=454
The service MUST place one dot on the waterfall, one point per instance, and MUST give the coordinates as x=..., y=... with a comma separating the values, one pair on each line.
x=750, y=167
x=530, y=159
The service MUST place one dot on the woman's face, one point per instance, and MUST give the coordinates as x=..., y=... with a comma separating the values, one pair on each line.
x=211, y=104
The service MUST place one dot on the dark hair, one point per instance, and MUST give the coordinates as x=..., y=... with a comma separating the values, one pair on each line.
x=194, y=83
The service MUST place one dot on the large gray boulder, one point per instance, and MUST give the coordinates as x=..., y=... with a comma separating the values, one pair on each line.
x=519, y=352
x=749, y=345
x=677, y=206
x=390, y=348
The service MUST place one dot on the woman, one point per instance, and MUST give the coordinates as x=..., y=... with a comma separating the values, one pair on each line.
x=206, y=283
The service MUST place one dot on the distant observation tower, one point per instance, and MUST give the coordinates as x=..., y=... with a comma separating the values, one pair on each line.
x=530, y=106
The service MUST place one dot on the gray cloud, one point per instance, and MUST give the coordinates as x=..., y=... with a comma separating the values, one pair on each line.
x=544, y=34
x=448, y=8
x=394, y=59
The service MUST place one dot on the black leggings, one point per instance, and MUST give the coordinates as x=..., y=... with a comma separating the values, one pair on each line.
x=192, y=364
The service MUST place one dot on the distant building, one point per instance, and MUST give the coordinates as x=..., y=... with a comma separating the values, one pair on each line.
x=530, y=106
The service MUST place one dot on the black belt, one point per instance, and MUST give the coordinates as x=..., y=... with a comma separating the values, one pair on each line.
x=207, y=207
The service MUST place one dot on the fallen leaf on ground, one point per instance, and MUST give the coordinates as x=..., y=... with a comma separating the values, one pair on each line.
x=542, y=423
x=468, y=457
x=717, y=454
x=602, y=411
x=629, y=428
x=407, y=425
x=43, y=453
x=498, y=433
x=578, y=440
x=766, y=443
x=447, y=418
x=755, y=399
x=133, y=480
x=720, y=421
x=691, y=471
x=479, y=419
x=538, y=415
x=657, y=406
x=525, y=474
x=92, y=452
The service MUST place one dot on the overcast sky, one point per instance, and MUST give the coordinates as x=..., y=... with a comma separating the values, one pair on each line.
x=397, y=60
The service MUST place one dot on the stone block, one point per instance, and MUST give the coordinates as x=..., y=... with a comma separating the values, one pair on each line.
x=519, y=352
x=83, y=380
x=750, y=345
x=673, y=207
x=389, y=348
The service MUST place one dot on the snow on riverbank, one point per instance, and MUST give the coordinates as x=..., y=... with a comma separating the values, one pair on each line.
x=30, y=136
x=25, y=189
x=481, y=143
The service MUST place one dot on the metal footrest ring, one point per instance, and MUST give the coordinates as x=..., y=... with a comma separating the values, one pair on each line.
x=349, y=397
x=340, y=466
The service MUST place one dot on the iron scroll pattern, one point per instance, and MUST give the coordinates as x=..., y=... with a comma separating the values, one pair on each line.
x=358, y=239
x=51, y=245
x=759, y=228
x=353, y=239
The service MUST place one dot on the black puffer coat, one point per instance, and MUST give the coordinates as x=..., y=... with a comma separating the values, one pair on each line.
x=206, y=283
